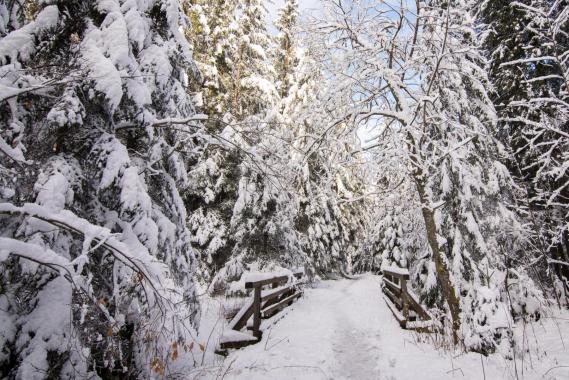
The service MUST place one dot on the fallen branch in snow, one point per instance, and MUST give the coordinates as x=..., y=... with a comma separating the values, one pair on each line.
x=456, y=369
x=552, y=368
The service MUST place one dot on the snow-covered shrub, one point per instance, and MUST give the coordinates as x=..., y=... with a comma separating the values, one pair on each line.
x=525, y=298
x=392, y=234
x=493, y=303
x=487, y=322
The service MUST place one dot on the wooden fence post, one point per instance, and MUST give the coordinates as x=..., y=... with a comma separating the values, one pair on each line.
x=257, y=312
x=401, y=299
x=404, y=298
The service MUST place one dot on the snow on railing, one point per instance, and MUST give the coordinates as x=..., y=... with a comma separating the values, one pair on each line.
x=264, y=304
x=403, y=303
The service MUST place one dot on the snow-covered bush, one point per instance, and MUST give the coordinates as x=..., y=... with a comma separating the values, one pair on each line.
x=487, y=324
x=392, y=232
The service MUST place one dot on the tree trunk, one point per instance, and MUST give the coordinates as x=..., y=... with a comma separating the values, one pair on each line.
x=443, y=273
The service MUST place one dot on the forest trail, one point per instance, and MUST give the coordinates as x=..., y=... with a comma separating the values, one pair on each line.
x=339, y=330
x=343, y=329
x=333, y=332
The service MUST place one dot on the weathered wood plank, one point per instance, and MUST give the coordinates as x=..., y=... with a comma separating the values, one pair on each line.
x=237, y=344
x=396, y=275
x=273, y=309
x=402, y=301
x=260, y=306
x=276, y=292
x=393, y=286
x=398, y=316
x=417, y=307
x=394, y=298
x=267, y=281
x=240, y=320
x=404, y=298
x=257, y=312
x=235, y=339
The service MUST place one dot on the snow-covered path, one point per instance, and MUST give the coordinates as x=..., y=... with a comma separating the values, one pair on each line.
x=343, y=330
x=334, y=331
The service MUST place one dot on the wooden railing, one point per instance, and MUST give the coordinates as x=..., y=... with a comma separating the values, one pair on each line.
x=404, y=304
x=270, y=295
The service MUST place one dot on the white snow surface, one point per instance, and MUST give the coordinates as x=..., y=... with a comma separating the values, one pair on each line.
x=397, y=270
x=343, y=330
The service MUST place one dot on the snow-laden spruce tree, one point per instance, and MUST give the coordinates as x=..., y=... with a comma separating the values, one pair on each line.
x=245, y=219
x=96, y=266
x=213, y=34
x=209, y=200
x=240, y=202
x=391, y=236
x=214, y=173
x=525, y=43
x=233, y=51
x=253, y=74
x=428, y=90
x=317, y=214
x=286, y=56
x=267, y=203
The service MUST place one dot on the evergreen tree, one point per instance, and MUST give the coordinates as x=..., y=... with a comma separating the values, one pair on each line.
x=210, y=199
x=213, y=34
x=470, y=192
x=96, y=267
x=524, y=42
x=286, y=57
x=330, y=184
x=238, y=73
x=392, y=231
x=232, y=201
x=253, y=90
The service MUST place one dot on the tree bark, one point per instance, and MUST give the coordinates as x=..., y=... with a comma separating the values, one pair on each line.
x=443, y=273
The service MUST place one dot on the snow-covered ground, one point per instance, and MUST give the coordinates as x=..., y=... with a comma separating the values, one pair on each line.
x=343, y=330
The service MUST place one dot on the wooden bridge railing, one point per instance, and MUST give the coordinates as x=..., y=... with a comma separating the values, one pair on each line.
x=270, y=295
x=404, y=304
